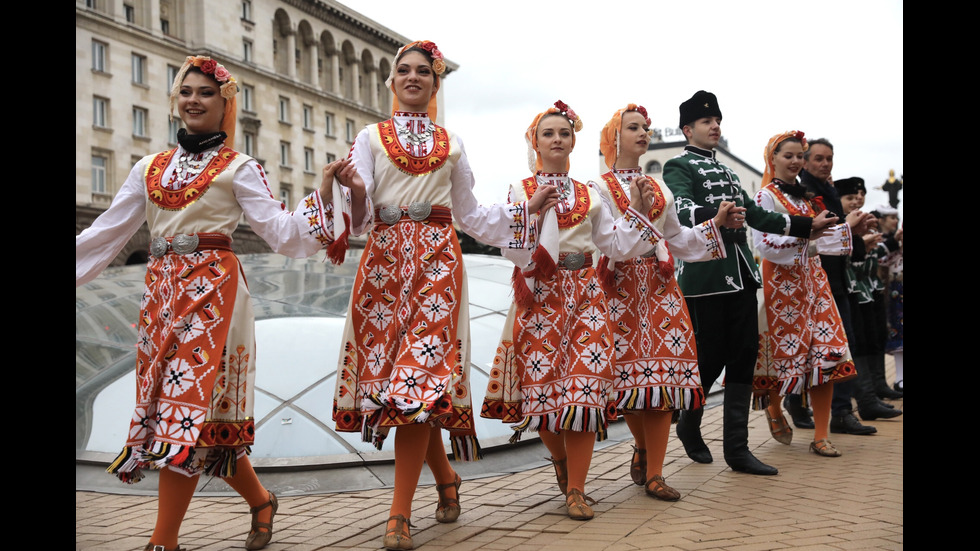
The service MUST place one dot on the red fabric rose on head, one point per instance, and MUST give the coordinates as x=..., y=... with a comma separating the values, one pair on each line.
x=561, y=106
x=642, y=110
x=209, y=66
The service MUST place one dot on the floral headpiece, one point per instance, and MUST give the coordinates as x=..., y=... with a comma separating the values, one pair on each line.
x=566, y=111
x=770, y=151
x=609, y=135
x=531, y=134
x=438, y=62
x=641, y=110
x=210, y=67
x=438, y=66
x=228, y=87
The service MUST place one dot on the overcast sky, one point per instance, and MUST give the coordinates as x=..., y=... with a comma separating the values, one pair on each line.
x=833, y=69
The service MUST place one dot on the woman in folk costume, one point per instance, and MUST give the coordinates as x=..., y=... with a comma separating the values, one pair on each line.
x=656, y=365
x=802, y=345
x=196, y=349
x=553, y=370
x=405, y=359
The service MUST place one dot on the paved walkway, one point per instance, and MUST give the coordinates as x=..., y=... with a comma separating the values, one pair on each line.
x=852, y=502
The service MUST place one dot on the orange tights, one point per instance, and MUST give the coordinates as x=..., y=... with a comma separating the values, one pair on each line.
x=416, y=444
x=820, y=399
x=175, y=492
x=577, y=447
x=651, y=429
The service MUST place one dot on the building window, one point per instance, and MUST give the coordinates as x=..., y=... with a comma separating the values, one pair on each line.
x=172, y=127
x=349, y=128
x=139, y=122
x=100, y=112
x=247, y=50
x=308, y=117
x=248, y=98
x=139, y=69
x=307, y=159
x=247, y=10
x=331, y=158
x=171, y=76
x=100, y=165
x=283, y=153
x=250, y=142
x=283, y=109
x=328, y=122
x=284, y=195
x=165, y=26
x=130, y=12
x=99, y=54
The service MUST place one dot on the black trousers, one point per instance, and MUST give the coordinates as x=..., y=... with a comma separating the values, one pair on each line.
x=726, y=328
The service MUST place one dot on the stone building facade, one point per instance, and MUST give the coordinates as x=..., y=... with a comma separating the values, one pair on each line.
x=311, y=74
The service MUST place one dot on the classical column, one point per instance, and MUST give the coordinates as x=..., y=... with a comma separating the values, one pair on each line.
x=334, y=73
x=290, y=53
x=355, y=78
x=373, y=87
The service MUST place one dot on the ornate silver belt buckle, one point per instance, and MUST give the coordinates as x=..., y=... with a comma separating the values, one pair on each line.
x=159, y=246
x=390, y=215
x=419, y=210
x=184, y=244
x=574, y=261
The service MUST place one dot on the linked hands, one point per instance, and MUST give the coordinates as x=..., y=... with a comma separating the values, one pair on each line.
x=641, y=195
x=345, y=172
x=872, y=238
x=326, y=184
x=729, y=215
x=543, y=199
x=822, y=224
x=860, y=222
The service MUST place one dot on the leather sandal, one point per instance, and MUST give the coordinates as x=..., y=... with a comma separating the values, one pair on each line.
x=578, y=505
x=398, y=537
x=257, y=539
x=561, y=473
x=661, y=490
x=825, y=448
x=448, y=508
x=151, y=547
x=638, y=466
x=779, y=428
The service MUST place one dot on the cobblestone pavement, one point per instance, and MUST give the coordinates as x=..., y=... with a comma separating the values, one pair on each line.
x=852, y=502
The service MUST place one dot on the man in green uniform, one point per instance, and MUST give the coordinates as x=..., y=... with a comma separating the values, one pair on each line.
x=721, y=295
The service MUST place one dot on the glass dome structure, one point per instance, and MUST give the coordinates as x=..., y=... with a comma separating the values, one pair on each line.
x=300, y=308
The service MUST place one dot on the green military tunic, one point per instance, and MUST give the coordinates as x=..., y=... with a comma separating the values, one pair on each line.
x=700, y=183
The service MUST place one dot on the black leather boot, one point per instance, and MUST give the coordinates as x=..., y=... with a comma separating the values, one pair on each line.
x=864, y=391
x=870, y=407
x=689, y=432
x=736, y=432
x=802, y=417
x=881, y=387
